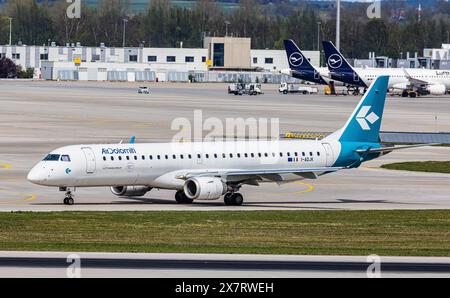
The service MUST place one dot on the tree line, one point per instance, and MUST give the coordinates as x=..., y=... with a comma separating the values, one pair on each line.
x=399, y=29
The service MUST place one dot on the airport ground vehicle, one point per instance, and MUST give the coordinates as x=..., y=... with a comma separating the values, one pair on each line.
x=241, y=89
x=286, y=88
x=143, y=90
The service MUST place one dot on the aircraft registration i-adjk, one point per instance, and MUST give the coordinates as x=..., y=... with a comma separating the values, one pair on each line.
x=210, y=170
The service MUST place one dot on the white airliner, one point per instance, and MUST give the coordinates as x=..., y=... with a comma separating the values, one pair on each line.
x=210, y=170
x=423, y=81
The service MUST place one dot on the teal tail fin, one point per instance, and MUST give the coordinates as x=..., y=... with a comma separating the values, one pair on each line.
x=365, y=122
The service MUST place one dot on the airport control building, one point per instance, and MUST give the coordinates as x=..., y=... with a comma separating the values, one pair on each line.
x=222, y=59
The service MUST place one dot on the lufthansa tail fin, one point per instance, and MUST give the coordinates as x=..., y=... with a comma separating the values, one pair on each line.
x=300, y=66
x=335, y=60
x=365, y=122
x=297, y=61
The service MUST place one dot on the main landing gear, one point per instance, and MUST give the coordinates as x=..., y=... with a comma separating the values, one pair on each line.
x=181, y=198
x=233, y=199
x=68, y=200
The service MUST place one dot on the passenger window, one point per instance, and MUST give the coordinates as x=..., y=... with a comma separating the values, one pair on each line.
x=318, y=153
x=259, y=155
x=190, y=156
x=207, y=155
x=239, y=155
x=104, y=158
x=65, y=158
x=289, y=154
x=231, y=155
x=120, y=157
x=167, y=156
x=224, y=155
x=181, y=156
x=135, y=157
x=215, y=155
x=174, y=156
x=266, y=155
x=296, y=153
x=199, y=156
x=303, y=154
x=112, y=158
x=128, y=158
x=246, y=155
x=151, y=157
x=310, y=154
x=159, y=156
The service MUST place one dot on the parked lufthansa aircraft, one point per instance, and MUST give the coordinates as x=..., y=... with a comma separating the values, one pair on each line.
x=210, y=170
x=301, y=68
x=409, y=81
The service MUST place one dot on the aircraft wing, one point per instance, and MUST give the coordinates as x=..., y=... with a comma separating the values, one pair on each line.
x=255, y=175
x=414, y=81
x=391, y=148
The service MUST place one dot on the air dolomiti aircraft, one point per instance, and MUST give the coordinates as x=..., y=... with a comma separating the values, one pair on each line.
x=210, y=170
x=409, y=81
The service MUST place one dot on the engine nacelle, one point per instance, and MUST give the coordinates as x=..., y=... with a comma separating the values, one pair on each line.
x=437, y=89
x=130, y=191
x=204, y=188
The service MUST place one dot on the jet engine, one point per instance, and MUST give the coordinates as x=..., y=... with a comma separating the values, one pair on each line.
x=130, y=191
x=437, y=89
x=204, y=188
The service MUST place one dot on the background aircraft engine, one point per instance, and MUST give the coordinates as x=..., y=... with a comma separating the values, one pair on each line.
x=204, y=188
x=437, y=89
x=130, y=191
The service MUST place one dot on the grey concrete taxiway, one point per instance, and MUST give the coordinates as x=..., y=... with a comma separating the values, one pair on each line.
x=37, y=117
x=62, y=265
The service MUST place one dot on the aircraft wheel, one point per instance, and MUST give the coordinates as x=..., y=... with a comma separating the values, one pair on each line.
x=181, y=198
x=227, y=199
x=69, y=201
x=237, y=199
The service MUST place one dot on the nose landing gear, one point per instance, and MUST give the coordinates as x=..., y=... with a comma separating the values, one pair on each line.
x=68, y=200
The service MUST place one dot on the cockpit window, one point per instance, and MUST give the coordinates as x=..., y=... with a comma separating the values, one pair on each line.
x=52, y=157
x=65, y=158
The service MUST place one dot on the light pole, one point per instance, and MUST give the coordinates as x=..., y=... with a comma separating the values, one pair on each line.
x=318, y=35
x=226, y=28
x=125, y=21
x=10, y=31
x=338, y=24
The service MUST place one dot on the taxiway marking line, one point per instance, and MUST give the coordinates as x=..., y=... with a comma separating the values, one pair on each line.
x=310, y=188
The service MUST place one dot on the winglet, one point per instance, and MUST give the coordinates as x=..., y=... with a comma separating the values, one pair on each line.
x=133, y=140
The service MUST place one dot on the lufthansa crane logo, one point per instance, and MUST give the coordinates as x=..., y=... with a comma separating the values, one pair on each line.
x=296, y=59
x=364, y=118
x=335, y=61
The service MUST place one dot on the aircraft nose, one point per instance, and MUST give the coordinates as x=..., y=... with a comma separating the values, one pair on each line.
x=36, y=175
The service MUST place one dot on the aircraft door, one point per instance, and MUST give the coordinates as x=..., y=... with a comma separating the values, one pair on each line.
x=90, y=160
x=328, y=154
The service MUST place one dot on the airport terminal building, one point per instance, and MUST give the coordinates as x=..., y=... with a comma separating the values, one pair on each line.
x=222, y=59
